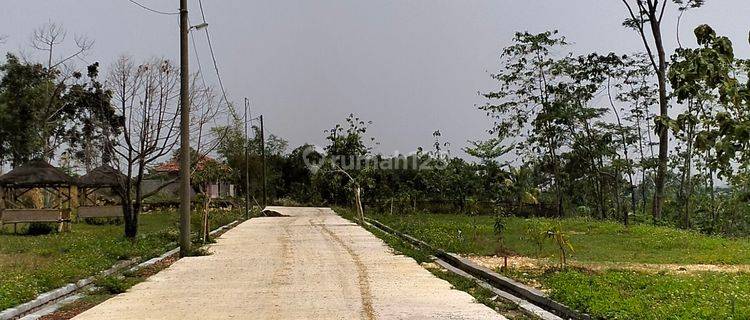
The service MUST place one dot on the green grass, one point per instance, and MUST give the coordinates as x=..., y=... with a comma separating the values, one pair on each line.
x=30, y=265
x=619, y=294
x=610, y=294
x=593, y=241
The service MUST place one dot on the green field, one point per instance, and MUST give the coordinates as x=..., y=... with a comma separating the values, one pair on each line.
x=593, y=241
x=611, y=293
x=30, y=265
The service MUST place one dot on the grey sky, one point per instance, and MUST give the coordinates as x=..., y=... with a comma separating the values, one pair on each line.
x=410, y=66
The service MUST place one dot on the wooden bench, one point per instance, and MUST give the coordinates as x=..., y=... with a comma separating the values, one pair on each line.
x=16, y=216
x=99, y=212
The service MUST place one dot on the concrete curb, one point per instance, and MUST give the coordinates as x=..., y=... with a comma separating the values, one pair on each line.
x=499, y=281
x=405, y=236
x=525, y=306
x=514, y=287
x=68, y=289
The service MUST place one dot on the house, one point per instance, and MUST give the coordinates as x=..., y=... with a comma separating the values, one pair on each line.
x=210, y=176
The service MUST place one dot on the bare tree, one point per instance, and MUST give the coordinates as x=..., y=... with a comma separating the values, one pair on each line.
x=147, y=99
x=47, y=37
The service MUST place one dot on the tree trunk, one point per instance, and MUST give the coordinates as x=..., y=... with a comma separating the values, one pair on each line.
x=661, y=74
x=643, y=168
x=714, y=213
x=205, y=223
x=358, y=203
x=131, y=219
x=556, y=172
x=625, y=152
x=688, y=174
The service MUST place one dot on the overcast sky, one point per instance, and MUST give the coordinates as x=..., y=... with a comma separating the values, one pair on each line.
x=410, y=66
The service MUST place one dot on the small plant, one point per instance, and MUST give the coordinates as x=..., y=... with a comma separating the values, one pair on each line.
x=113, y=284
x=499, y=229
x=562, y=241
x=472, y=208
x=536, y=233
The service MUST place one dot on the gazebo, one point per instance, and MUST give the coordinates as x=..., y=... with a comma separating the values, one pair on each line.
x=103, y=177
x=33, y=175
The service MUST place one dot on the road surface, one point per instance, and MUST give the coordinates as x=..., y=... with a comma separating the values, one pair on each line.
x=311, y=264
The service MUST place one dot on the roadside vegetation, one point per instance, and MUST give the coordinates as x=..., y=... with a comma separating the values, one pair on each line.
x=592, y=240
x=30, y=265
x=589, y=282
x=595, y=162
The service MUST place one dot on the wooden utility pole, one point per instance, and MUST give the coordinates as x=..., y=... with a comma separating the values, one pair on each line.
x=184, y=133
x=247, y=170
x=263, y=157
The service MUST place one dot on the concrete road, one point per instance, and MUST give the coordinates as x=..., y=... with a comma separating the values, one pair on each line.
x=311, y=264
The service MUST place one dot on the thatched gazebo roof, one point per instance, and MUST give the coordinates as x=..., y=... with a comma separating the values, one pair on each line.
x=36, y=173
x=102, y=177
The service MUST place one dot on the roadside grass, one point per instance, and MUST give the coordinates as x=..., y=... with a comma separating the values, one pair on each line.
x=608, y=294
x=593, y=241
x=30, y=265
x=621, y=294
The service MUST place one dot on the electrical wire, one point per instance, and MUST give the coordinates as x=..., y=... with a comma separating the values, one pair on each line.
x=216, y=65
x=153, y=10
x=197, y=58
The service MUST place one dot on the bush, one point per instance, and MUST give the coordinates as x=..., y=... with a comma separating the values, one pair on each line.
x=40, y=228
x=103, y=221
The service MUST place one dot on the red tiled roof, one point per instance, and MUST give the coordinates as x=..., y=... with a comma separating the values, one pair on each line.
x=173, y=167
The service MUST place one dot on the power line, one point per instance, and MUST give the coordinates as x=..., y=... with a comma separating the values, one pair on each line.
x=216, y=66
x=153, y=10
x=197, y=58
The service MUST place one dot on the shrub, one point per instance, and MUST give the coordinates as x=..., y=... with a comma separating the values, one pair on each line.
x=40, y=228
x=103, y=221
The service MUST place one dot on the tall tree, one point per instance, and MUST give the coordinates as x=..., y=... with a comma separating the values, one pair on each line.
x=645, y=17
x=526, y=99
x=25, y=112
x=638, y=95
x=80, y=118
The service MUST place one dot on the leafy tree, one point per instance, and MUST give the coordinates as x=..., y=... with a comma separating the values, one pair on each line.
x=94, y=122
x=638, y=95
x=24, y=115
x=79, y=117
x=347, y=150
x=526, y=98
x=645, y=16
x=720, y=131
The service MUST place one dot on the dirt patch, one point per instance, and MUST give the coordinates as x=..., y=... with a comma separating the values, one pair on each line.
x=514, y=262
x=272, y=213
x=526, y=263
x=70, y=311
x=156, y=267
